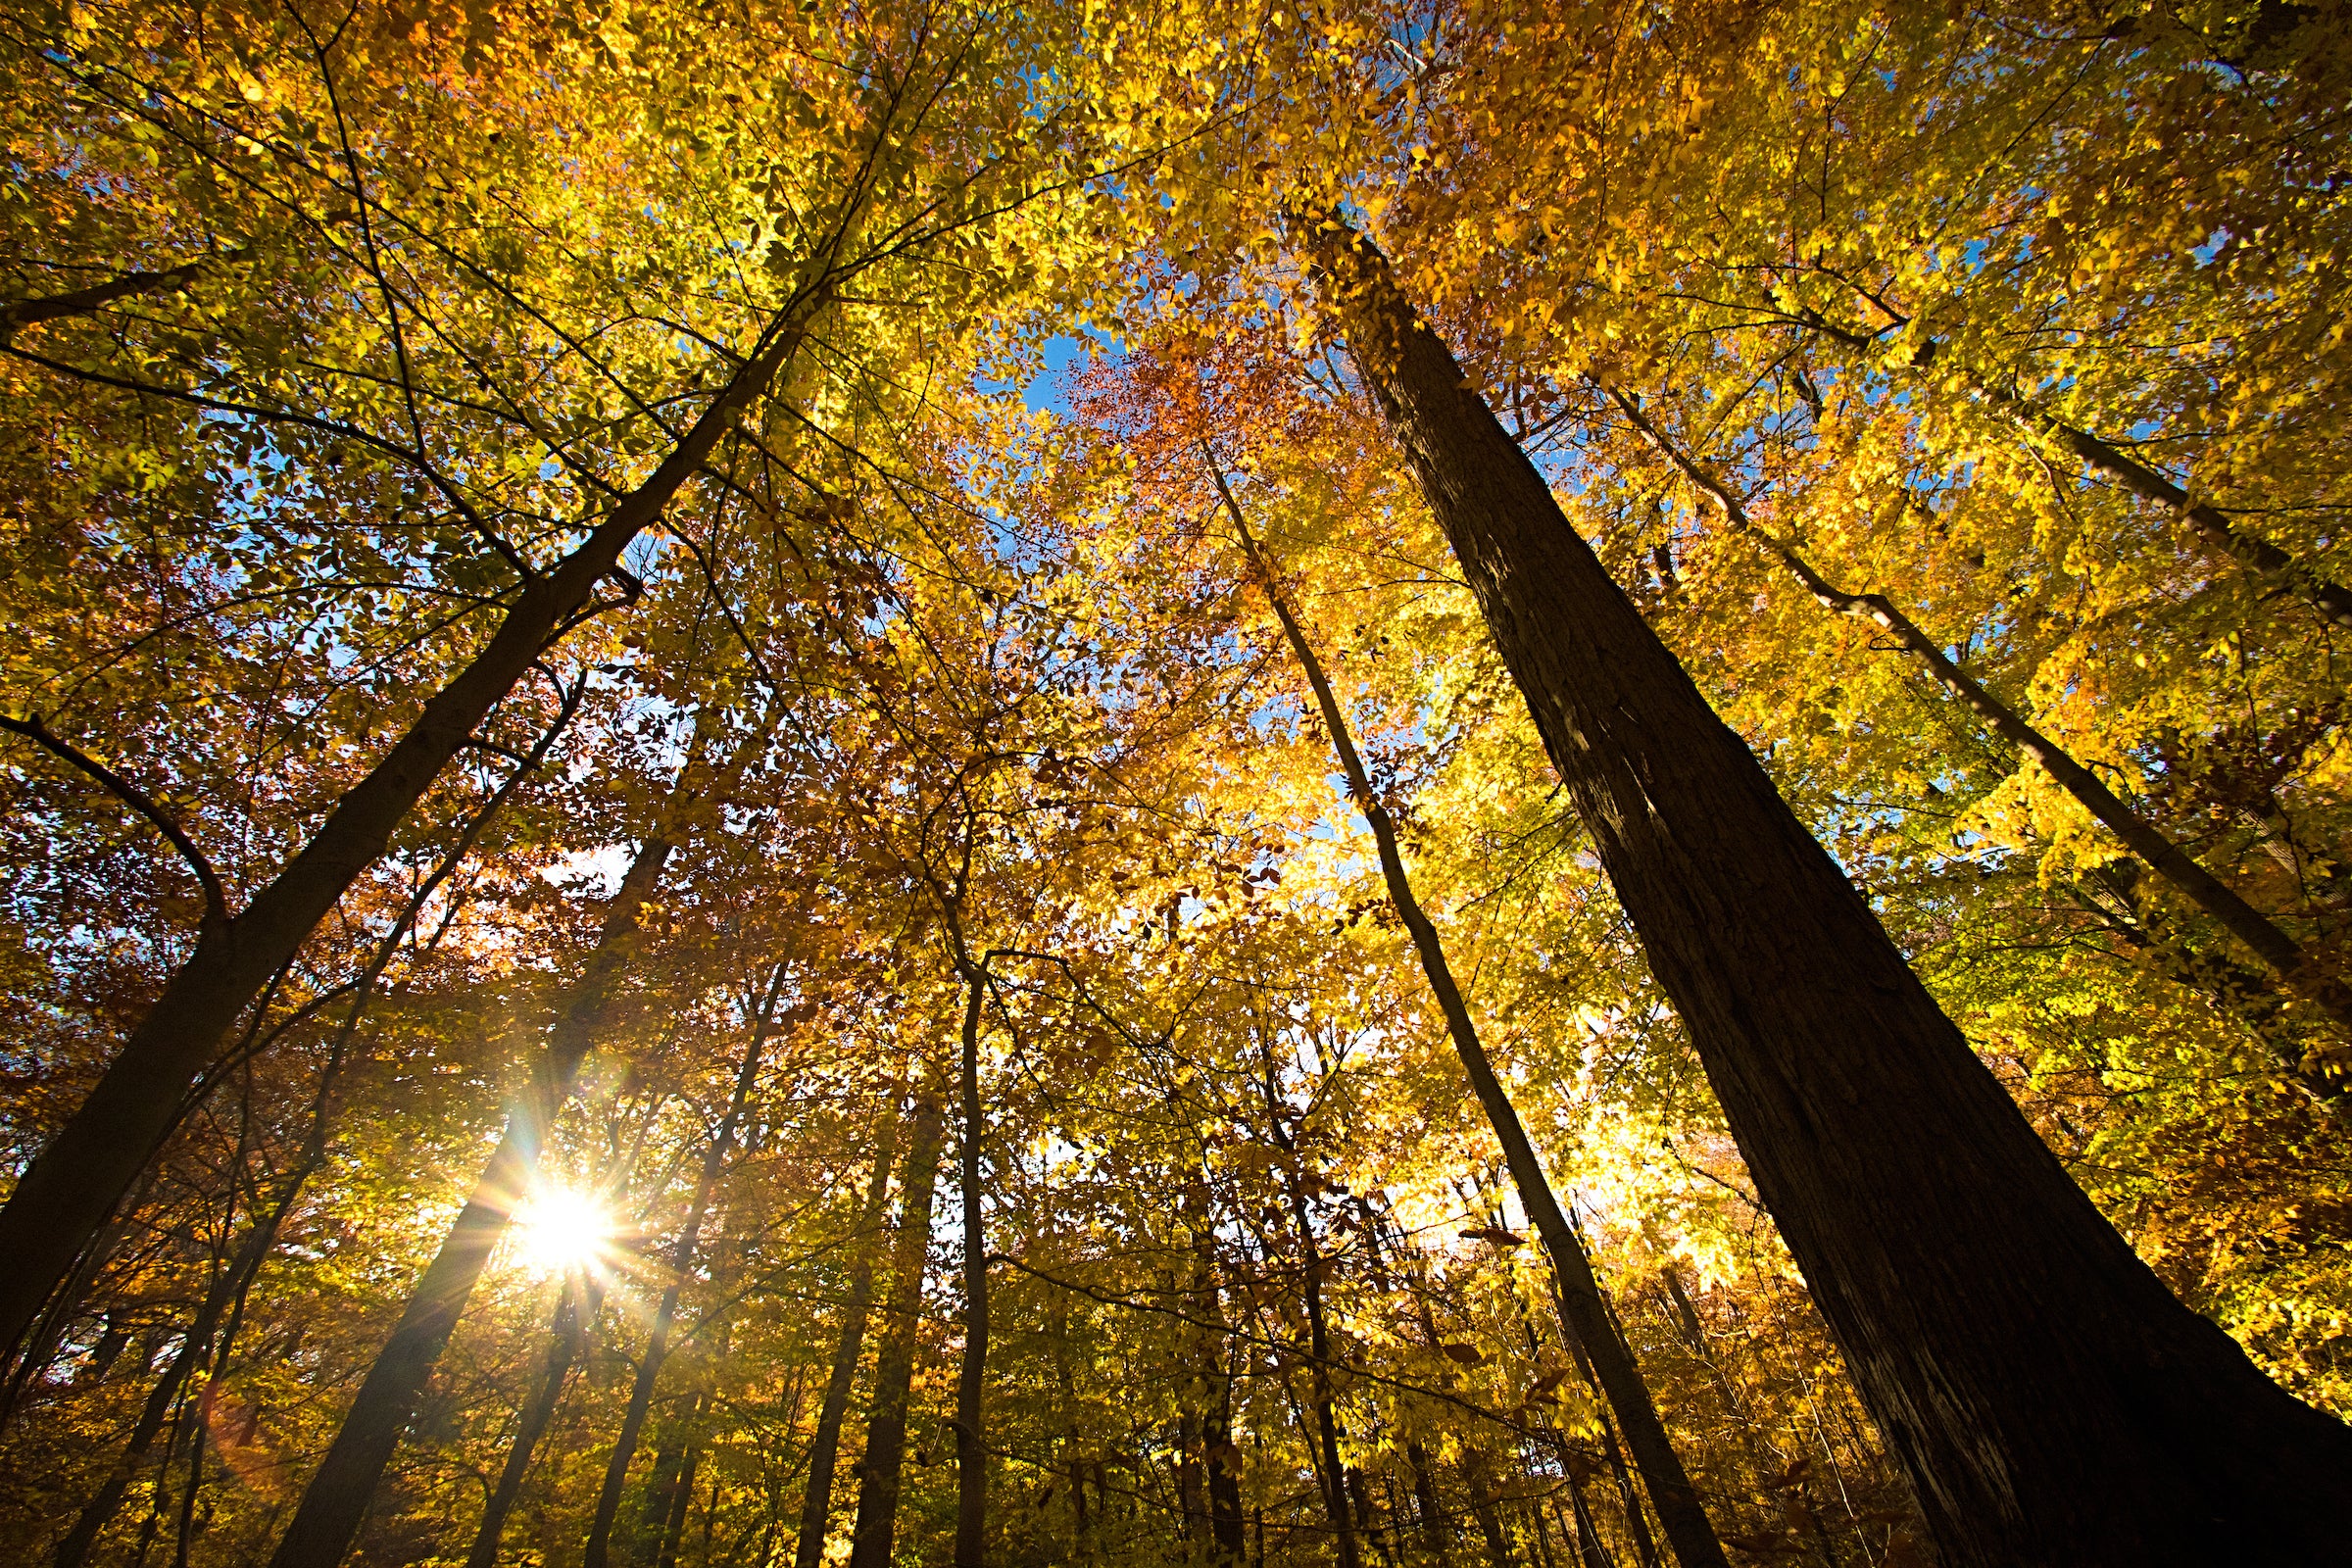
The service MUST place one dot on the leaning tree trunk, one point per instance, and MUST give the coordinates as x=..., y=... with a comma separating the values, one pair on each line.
x=567, y=1337
x=340, y=1491
x=657, y=1346
x=872, y=1536
x=2051, y=1400
x=65, y=1195
x=824, y=1450
x=1583, y=1314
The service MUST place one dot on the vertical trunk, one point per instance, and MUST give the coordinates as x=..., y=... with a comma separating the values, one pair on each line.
x=2051, y=1401
x=972, y=1458
x=681, y=1495
x=1583, y=1314
x=1589, y=1552
x=816, y=1501
x=876, y=1528
x=340, y=1491
x=1434, y=1534
x=567, y=1336
x=656, y=1347
x=1476, y=1475
x=1326, y=1425
x=66, y=1193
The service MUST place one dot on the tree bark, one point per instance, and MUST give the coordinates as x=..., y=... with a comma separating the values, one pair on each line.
x=876, y=1527
x=816, y=1500
x=597, y=1552
x=66, y=1193
x=2239, y=918
x=567, y=1337
x=339, y=1492
x=2051, y=1400
x=1583, y=1314
x=971, y=1456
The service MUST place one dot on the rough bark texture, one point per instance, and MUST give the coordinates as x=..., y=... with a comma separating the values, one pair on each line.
x=1583, y=1314
x=71, y=1186
x=824, y=1451
x=2051, y=1400
x=894, y=1371
x=339, y=1492
x=681, y=1259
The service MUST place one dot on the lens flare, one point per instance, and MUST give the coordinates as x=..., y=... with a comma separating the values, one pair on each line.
x=559, y=1230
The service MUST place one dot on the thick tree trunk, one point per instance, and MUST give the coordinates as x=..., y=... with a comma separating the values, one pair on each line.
x=1583, y=1314
x=816, y=1500
x=66, y=1193
x=2175, y=864
x=567, y=1337
x=340, y=1491
x=971, y=1456
x=681, y=1259
x=876, y=1528
x=2051, y=1401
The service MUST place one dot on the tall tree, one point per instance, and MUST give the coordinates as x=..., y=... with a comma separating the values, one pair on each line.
x=2009, y=1342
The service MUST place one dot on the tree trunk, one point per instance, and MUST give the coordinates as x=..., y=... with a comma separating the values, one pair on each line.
x=2325, y=1080
x=567, y=1336
x=1434, y=1534
x=2051, y=1400
x=876, y=1528
x=816, y=1501
x=66, y=1192
x=1327, y=1425
x=681, y=1259
x=971, y=1458
x=1583, y=1314
x=340, y=1491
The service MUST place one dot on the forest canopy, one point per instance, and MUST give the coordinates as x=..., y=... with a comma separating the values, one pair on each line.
x=1376, y=783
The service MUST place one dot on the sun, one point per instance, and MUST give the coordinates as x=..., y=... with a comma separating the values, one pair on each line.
x=561, y=1230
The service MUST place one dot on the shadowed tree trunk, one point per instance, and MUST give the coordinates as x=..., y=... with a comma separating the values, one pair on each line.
x=567, y=1336
x=876, y=1529
x=1583, y=1314
x=2051, y=1400
x=816, y=1500
x=340, y=1491
x=656, y=1347
x=972, y=1457
x=65, y=1195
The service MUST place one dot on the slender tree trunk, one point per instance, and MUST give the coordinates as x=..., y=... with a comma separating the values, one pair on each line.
x=225, y=1291
x=816, y=1501
x=2051, y=1400
x=341, y=1488
x=1327, y=1425
x=2143, y=837
x=1583, y=1314
x=1476, y=1476
x=1434, y=1534
x=66, y=1193
x=567, y=1337
x=971, y=1456
x=657, y=1349
x=876, y=1529
x=680, y=1490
